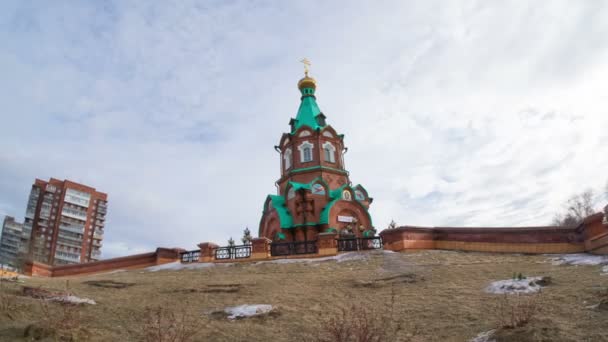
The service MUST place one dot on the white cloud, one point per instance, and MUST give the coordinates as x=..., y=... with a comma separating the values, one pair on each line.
x=468, y=113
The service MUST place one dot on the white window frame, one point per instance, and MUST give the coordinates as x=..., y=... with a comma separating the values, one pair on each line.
x=302, y=148
x=287, y=157
x=332, y=152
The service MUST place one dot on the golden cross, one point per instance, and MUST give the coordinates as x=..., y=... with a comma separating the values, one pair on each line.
x=306, y=63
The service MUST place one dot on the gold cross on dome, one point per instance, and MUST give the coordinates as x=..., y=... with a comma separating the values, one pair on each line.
x=306, y=63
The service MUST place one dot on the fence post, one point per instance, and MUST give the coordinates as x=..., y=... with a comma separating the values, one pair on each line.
x=327, y=244
x=207, y=251
x=260, y=248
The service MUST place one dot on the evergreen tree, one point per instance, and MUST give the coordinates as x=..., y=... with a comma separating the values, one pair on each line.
x=246, y=236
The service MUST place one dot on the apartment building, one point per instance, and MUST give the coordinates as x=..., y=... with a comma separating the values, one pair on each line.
x=13, y=242
x=66, y=220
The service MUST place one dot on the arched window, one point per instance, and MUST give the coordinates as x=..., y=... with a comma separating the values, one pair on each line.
x=346, y=195
x=287, y=158
x=329, y=152
x=305, y=151
x=291, y=193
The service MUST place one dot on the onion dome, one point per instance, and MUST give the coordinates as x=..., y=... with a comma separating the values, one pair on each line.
x=307, y=85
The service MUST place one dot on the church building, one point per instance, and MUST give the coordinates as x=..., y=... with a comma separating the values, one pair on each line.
x=315, y=193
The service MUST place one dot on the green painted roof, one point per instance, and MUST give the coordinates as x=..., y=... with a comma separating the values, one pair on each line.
x=335, y=196
x=297, y=186
x=308, y=111
x=285, y=218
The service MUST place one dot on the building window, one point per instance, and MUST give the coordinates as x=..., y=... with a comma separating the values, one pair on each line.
x=287, y=158
x=346, y=195
x=329, y=152
x=305, y=151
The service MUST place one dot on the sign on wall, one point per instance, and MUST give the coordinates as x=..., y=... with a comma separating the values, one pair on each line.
x=346, y=219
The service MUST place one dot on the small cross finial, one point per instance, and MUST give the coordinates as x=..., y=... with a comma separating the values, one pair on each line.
x=306, y=63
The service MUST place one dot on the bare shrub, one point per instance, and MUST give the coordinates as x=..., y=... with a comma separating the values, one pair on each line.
x=165, y=325
x=516, y=310
x=61, y=321
x=359, y=323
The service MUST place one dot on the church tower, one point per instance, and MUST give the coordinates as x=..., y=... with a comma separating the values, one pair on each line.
x=315, y=193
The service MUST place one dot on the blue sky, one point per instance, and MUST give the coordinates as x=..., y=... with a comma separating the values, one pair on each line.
x=455, y=113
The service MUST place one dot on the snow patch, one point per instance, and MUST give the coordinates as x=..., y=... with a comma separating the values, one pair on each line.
x=485, y=336
x=115, y=271
x=605, y=270
x=527, y=285
x=247, y=310
x=71, y=299
x=580, y=259
x=350, y=256
x=175, y=266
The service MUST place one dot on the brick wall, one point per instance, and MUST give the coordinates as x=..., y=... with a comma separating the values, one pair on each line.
x=591, y=236
x=160, y=256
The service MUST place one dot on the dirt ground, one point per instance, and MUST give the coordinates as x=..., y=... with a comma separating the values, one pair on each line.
x=432, y=295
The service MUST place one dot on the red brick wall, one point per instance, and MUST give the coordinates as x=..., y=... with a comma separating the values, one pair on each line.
x=591, y=235
x=160, y=256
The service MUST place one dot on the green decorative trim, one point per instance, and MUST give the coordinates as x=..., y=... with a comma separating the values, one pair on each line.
x=318, y=167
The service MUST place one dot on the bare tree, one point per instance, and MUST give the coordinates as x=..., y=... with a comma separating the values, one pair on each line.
x=577, y=208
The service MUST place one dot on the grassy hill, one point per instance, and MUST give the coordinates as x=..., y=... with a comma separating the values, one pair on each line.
x=425, y=296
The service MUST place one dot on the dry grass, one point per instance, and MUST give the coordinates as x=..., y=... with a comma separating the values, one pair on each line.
x=161, y=324
x=444, y=301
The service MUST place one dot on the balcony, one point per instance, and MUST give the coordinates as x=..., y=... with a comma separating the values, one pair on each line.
x=72, y=229
x=98, y=234
x=11, y=243
x=97, y=243
x=77, y=214
x=70, y=237
x=70, y=243
x=101, y=210
x=72, y=258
